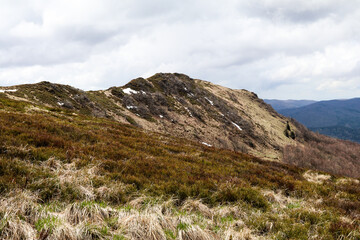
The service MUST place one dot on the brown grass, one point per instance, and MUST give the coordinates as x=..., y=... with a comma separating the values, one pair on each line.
x=323, y=153
x=90, y=178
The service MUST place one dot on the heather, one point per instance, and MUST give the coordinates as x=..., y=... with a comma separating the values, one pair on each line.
x=64, y=175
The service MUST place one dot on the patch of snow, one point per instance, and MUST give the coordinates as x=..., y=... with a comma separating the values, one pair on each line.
x=191, y=95
x=130, y=91
x=237, y=126
x=131, y=107
x=185, y=88
x=143, y=92
x=211, y=102
x=188, y=112
x=60, y=103
x=7, y=90
x=161, y=116
x=206, y=144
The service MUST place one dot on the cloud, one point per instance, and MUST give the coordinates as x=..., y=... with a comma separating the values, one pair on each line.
x=277, y=48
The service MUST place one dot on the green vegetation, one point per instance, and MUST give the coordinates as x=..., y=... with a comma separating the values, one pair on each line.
x=108, y=180
x=48, y=223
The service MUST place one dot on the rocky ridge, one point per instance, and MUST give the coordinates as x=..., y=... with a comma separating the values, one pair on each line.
x=178, y=105
x=198, y=110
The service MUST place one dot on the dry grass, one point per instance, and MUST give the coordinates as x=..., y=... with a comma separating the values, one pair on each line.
x=151, y=218
x=16, y=229
x=86, y=211
x=243, y=234
x=143, y=225
x=347, y=181
x=75, y=177
x=69, y=174
x=191, y=205
x=90, y=220
x=315, y=177
x=21, y=203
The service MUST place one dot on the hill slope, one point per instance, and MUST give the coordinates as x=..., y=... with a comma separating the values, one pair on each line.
x=337, y=118
x=197, y=110
x=68, y=175
x=178, y=105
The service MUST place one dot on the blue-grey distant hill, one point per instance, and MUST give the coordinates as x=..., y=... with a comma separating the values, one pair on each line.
x=336, y=118
x=284, y=104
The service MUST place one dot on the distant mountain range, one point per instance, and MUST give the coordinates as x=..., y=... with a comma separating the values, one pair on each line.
x=335, y=118
x=285, y=104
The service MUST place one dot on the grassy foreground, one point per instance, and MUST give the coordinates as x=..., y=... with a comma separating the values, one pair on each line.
x=70, y=176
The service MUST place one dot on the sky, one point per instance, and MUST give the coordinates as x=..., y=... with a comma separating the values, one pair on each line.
x=279, y=49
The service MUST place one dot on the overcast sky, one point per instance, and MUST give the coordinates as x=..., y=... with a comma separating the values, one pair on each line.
x=284, y=49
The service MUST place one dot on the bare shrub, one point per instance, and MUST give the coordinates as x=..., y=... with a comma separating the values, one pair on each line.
x=323, y=153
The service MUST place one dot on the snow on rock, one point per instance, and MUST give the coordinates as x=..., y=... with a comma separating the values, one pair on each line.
x=7, y=90
x=161, y=116
x=60, y=103
x=211, y=102
x=188, y=112
x=237, y=126
x=131, y=107
x=206, y=144
x=130, y=91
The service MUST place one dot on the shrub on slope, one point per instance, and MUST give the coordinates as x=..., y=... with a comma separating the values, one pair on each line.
x=81, y=175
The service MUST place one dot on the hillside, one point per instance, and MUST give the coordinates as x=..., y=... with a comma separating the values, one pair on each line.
x=180, y=106
x=286, y=104
x=336, y=118
x=66, y=173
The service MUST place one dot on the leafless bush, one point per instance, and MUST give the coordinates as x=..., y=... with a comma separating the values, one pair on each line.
x=323, y=153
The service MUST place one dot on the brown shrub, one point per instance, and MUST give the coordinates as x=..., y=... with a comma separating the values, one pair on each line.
x=323, y=153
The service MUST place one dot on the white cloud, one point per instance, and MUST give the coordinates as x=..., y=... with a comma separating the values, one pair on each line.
x=277, y=48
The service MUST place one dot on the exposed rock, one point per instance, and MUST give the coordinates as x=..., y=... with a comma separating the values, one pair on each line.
x=181, y=106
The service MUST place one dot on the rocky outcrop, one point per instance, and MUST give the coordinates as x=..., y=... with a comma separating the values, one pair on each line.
x=178, y=105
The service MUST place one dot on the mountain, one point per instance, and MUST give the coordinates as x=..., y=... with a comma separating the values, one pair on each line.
x=285, y=104
x=336, y=118
x=178, y=105
x=200, y=111
x=71, y=168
